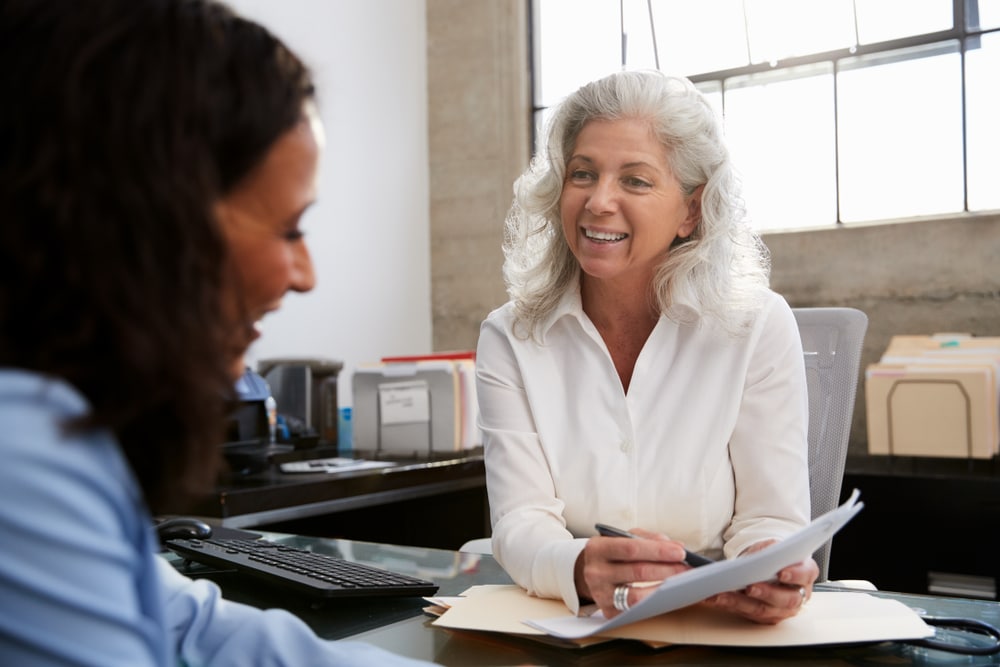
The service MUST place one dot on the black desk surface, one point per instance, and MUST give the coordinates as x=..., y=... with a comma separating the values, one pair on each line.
x=922, y=466
x=401, y=626
x=928, y=520
x=272, y=496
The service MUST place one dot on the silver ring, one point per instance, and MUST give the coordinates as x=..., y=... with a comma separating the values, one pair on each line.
x=802, y=595
x=621, y=597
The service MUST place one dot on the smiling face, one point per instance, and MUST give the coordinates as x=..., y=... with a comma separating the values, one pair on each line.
x=621, y=205
x=260, y=220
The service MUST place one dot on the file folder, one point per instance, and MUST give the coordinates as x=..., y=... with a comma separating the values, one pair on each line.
x=935, y=396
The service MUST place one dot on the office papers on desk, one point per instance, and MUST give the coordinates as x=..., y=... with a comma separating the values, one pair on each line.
x=699, y=583
x=335, y=464
x=502, y=608
x=826, y=618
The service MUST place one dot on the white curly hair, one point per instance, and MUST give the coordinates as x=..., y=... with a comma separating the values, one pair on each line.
x=720, y=272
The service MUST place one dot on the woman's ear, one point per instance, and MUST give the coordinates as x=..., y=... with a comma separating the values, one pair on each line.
x=694, y=213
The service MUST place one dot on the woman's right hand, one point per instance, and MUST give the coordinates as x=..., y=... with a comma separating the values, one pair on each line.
x=609, y=562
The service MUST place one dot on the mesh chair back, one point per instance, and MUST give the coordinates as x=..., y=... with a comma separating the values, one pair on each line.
x=831, y=340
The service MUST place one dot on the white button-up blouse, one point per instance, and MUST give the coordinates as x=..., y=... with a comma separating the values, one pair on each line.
x=708, y=446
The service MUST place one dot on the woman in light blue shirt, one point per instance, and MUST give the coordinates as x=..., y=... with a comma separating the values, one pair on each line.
x=156, y=159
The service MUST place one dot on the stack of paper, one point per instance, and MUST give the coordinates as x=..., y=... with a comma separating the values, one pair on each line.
x=935, y=396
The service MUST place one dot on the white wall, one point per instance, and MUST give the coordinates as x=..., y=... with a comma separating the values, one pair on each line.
x=369, y=230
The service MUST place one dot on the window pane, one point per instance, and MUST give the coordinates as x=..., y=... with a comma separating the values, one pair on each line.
x=983, y=130
x=640, y=50
x=901, y=134
x=576, y=41
x=881, y=20
x=698, y=37
x=784, y=28
x=542, y=119
x=988, y=14
x=712, y=90
x=781, y=134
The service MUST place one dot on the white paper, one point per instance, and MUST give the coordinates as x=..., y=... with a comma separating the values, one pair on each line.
x=699, y=583
x=333, y=464
x=404, y=402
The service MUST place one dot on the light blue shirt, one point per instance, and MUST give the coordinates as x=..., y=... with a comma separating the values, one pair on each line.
x=80, y=579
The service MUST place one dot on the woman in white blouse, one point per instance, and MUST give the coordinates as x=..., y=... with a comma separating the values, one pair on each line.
x=642, y=374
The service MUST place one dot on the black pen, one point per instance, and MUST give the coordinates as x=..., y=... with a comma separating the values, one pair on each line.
x=690, y=557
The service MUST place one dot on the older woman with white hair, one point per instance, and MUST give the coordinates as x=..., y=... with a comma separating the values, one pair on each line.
x=642, y=374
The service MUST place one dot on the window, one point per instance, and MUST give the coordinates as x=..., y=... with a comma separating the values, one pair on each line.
x=836, y=111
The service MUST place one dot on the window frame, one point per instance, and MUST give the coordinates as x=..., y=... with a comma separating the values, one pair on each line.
x=898, y=49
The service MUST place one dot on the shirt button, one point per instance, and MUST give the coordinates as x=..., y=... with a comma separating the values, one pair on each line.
x=626, y=446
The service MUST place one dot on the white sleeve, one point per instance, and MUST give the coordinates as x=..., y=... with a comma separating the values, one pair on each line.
x=769, y=445
x=530, y=539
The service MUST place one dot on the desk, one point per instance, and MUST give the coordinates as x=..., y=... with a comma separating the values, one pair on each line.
x=399, y=625
x=929, y=521
x=381, y=505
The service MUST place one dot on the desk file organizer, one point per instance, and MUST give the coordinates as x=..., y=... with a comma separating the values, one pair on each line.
x=935, y=396
x=420, y=406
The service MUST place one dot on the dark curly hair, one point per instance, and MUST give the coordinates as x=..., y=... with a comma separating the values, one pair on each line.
x=122, y=123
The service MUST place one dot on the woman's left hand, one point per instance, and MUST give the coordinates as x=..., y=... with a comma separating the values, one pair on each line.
x=770, y=602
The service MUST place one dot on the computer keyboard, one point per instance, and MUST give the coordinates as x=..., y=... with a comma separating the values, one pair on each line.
x=303, y=571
